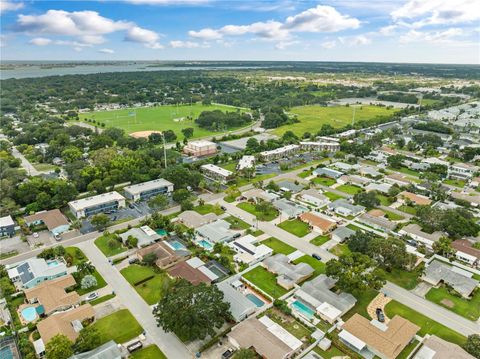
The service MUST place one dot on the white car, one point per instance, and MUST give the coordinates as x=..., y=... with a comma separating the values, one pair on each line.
x=91, y=296
x=35, y=235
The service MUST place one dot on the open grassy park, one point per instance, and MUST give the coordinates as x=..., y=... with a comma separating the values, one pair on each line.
x=159, y=118
x=312, y=117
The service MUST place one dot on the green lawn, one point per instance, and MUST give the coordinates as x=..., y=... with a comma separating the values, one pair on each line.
x=100, y=284
x=348, y=188
x=330, y=353
x=295, y=227
x=319, y=240
x=160, y=118
x=151, y=290
x=44, y=166
x=454, y=182
x=293, y=326
x=427, y=325
x=384, y=200
x=209, y=208
x=407, y=350
x=469, y=309
x=405, y=279
x=363, y=300
x=278, y=246
x=261, y=216
x=340, y=249
x=109, y=245
x=119, y=326
x=354, y=227
x=392, y=216
x=77, y=255
x=408, y=209
x=237, y=223
x=231, y=166
x=150, y=352
x=332, y=196
x=405, y=170
x=266, y=281
x=102, y=299
x=324, y=181
x=312, y=117
x=317, y=265
x=305, y=173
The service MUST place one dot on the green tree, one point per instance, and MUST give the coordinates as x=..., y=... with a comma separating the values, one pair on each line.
x=366, y=199
x=132, y=242
x=88, y=339
x=444, y=247
x=149, y=259
x=59, y=347
x=188, y=132
x=395, y=161
x=158, y=202
x=100, y=221
x=472, y=345
x=181, y=195
x=244, y=353
x=192, y=312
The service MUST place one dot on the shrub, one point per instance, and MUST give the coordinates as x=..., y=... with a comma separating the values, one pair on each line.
x=88, y=281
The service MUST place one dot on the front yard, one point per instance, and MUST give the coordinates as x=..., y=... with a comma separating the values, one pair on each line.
x=363, y=300
x=340, y=249
x=408, y=209
x=278, y=246
x=324, y=181
x=261, y=216
x=149, y=352
x=405, y=279
x=319, y=240
x=333, y=196
x=469, y=309
x=149, y=283
x=392, y=216
x=237, y=223
x=266, y=281
x=209, y=208
x=295, y=227
x=120, y=326
x=317, y=265
x=110, y=244
x=350, y=189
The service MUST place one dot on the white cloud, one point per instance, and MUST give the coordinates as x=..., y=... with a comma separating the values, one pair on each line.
x=387, y=30
x=143, y=36
x=6, y=5
x=438, y=12
x=316, y=20
x=178, y=44
x=358, y=40
x=40, y=41
x=431, y=36
x=106, y=51
x=168, y=2
x=282, y=45
x=3, y=42
x=92, y=39
x=328, y=44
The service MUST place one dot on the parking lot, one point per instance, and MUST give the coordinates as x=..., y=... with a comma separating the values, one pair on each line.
x=274, y=166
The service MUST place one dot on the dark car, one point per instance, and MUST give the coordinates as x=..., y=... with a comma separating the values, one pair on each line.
x=316, y=256
x=131, y=206
x=227, y=354
x=380, y=315
x=223, y=208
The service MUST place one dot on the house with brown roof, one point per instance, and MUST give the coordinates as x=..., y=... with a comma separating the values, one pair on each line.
x=194, y=270
x=370, y=338
x=68, y=323
x=52, y=295
x=466, y=252
x=166, y=256
x=55, y=221
x=415, y=198
x=193, y=219
x=318, y=223
x=434, y=347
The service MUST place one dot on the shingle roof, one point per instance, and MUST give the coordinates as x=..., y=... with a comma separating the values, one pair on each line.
x=52, y=219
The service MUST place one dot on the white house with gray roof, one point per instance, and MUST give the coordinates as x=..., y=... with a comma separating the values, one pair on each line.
x=109, y=350
x=217, y=232
x=289, y=208
x=341, y=234
x=288, y=274
x=345, y=208
x=148, y=189
x=240, y=306
x=144, y=234
x=35, y=271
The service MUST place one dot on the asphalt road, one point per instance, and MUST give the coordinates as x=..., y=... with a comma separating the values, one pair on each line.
x=32, y=171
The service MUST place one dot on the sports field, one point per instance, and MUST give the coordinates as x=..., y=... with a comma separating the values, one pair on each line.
x=160, y=118
x=312, y=117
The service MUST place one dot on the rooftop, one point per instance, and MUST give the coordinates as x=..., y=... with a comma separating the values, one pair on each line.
x=287, y=272
x=437, y=271
x=314, y=220
x=145, y=186
x=415, y=198
x=218, y=231
x=52, y=219
x=6, y=221
x=240, y=306
x=221, y=171
x=437, y=348
x=194, y=219
x=96, y=200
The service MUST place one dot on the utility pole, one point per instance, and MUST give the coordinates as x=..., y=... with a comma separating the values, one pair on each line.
x=353, y=117
x=164, y=149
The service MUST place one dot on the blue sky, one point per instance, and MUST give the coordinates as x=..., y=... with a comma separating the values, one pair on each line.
x=438, y=31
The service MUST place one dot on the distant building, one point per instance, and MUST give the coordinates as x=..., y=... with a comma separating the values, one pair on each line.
x=102, y=203
x=200, y=148
x=278, y=153
x=246, y=162
x=145, y=190
x=34, y=271
x=55, y=221
x=462, y=170
x=345, y=208
x=7, y=226
x=217, y=173
x=248, y=251
x=328, y=144
x=379, y=187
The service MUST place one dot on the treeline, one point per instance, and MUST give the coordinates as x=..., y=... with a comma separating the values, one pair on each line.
x=399, y=97
x=217, y=120
x=433, y=126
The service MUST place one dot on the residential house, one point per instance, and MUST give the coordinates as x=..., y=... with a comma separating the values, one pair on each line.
x=465, y=252
x=34, y=271
x=102, y=203
x=257, y=194
x=318, y=222
x=109, y=350
x=200, y=148
x=217, y=232
x=7, y=226
x=166, y=255
x=460, y=280
x=246, y=162
x=145, y=236
x=377, y=222
x=287, y=186
x=146, y=190
x=473, y=197
x=193, y=219
x=369, y=171
x=314, y=197
x=434, y=347
x=288, y=274
x=55, y=221
x=417, y=199
x=345, y=208
x=289, y=208
x=240, y=306
x=52, y=296
x=397, y=178
x=354, y=179
x=248, y=251
x=194, y=270
x=217, y=173
x=341, y=234
x=379, y=187
x=462, y=170
x=414, y=231
x=345, y=167
x=267, y=338
x=327, y=172
x=370, y=338
x=318, y=295
x=282, y=152
x=328, y=144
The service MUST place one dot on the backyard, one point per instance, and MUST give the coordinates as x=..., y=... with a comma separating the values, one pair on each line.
x=408, y=209
x=149, y=283
x=119, y=326
x=149, y=352
x=270, y=214
x=332, y=196
x=324, y=181
x=110, y=245
x=392, y=216
x=318, y=266
x=209, y=208
x=295, y=227
x=469, y=309
x=266, y=281
x=349, y=189
x=278, y=246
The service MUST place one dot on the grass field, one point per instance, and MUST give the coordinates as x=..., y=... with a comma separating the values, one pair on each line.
x=469, y=309
x=405, y=279
x=278, y=246
x=363, y=300
x=237, y=223
x=332, y=196
x=209, y=208
x=340, y=250
x=109, y=245
x=150, y=352
x=261, y=216
x=151, y=290
x=324, y=181
x=312, y=117
x=160, y=118
x=318, y=266
x=350, y=189
x=295, y=227
x=319, y=240
x=266, y=281
x=120, y=326
x=392, y=216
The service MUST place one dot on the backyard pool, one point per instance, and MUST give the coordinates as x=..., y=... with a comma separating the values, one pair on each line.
x=176, y=245
x=29, y=314
x=53, y=263
x=161, y=232
x=255, y=300
x=205, y=244
x=303, y=309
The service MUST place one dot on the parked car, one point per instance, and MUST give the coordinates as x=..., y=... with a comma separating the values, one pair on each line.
x=134, y=346
x=227, y=354
x=35, y=235
x=223, y=208
x=380, y=315
x=316, y=256
x=91, y=296
x=131, y=206
x=133, y=260
x=57, y=237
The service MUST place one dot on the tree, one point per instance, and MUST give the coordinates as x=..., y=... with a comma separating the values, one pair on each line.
x=472, y=345
x=100, y=221
x=444, y=247
x=395, y=161
x=366, y=199
x=188, y=132
x=132, y=242
x=86, y=267
x=88, y=339
x=149, y=259
x=355, y=273
x=186, y=205
x=245, y=353
x=59, y=347
x=192, y=312
x=88, y=281
x=158, y=202
x=180, y=195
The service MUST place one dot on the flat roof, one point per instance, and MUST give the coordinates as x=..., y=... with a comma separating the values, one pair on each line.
x=201, y=143
x=216, y=169
x=6, y=221
x=146, y=186
x=95, y=200
x=279, y=150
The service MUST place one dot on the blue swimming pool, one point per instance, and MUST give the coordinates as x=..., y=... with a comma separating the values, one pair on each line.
x=53, y=263
x=205, y=244
x=255, y=300
x=29, y=314
x=161, y=232
x=176, y=245
x=303, y=309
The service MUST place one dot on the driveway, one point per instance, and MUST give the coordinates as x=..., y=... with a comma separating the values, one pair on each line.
x=32, y=171
x=14, y=244
x=167, y=342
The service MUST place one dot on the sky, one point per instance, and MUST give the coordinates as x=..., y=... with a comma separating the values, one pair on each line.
x=421, y=31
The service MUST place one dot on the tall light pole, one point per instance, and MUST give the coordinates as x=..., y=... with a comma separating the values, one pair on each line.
x=164, y=149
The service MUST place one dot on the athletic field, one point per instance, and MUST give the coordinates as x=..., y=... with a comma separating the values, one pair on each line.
x=312, y=117
x=160, y=118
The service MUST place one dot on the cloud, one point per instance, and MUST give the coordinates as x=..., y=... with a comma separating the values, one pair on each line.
x=3, y=39
x=328, y=44
x=178, y=44
x=106, y=51
x=40, y=41
x=6, y=5
x=282, y=45
x=168, y=2
x=431, y=36
x=143, y=36
x=358, y=40
x=387, y=30
x=438, y=12
x=316, y=20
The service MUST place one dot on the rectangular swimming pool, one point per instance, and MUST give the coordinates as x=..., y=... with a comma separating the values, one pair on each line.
x=205, y=244
x=255, y=300
x=303, y=309
x=176, y=245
